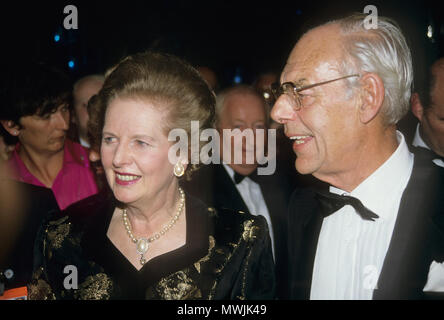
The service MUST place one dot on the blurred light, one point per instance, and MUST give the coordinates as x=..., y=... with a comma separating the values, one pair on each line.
x=266, y=95
x=429, y=32
x=71, y=64
x=299, y=12
x=57, y=38
x=237, y=79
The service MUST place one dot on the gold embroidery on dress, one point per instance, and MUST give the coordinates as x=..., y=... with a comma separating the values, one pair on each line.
x=40, y=290
x=57, y=236
x=250, y=231
x=97, y=287
x=211, y=244
x=178, y=286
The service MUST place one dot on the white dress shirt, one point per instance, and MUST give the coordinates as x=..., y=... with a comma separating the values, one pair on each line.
x=419, y=142
x=351, y=250
x=251, y=193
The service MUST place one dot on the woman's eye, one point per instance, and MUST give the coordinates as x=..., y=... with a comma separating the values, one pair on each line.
x=142, y=143
x=108, y=140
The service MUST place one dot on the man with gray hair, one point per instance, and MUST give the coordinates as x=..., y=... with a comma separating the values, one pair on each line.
x=237, y=183
x=379, y=231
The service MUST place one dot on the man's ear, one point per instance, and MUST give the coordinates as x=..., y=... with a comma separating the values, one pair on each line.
x=417, y=108
x=372, y=96
x=10, y=126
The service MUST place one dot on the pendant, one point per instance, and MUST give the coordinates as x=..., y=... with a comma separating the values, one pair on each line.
x=142, y=246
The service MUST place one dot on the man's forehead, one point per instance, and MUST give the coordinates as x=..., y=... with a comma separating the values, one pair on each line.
x=311, y=56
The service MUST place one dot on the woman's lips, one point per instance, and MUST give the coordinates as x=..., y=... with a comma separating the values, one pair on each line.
x=125, y=179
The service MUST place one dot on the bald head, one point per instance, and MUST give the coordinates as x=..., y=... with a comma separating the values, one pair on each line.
x=83, y=90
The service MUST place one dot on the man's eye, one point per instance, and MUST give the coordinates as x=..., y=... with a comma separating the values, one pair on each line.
x=306, y=99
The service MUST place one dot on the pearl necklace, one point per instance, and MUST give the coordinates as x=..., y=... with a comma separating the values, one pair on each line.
x=142, y=243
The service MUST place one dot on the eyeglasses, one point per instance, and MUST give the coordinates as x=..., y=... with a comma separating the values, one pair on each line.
x=293, y=90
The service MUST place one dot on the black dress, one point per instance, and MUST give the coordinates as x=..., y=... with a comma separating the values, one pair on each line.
x=227, y=255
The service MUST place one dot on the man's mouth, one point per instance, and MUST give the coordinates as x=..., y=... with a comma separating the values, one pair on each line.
x=301, y=139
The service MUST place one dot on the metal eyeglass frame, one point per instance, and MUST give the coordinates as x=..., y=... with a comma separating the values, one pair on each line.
x=289, y=87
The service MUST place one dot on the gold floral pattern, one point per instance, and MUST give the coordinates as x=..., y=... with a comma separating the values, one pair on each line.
x=250, y=231
x=61, y=230
x=40, y=290
x=211, y=245
x=97, y=287
x=178, y=286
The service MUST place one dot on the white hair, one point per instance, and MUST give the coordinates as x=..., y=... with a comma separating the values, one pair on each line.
x=383, y=51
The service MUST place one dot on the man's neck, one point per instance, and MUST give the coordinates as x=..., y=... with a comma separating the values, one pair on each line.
x=366, y=161
x=244, y=170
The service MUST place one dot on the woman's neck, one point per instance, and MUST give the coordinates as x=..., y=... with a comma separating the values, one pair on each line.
x=44, y=166
x=154, y=213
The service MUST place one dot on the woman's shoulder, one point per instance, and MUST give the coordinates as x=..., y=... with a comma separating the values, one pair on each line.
x=239, y=224
x=79, y=214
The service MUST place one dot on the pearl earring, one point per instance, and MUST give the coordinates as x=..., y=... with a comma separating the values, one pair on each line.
x=179, y=169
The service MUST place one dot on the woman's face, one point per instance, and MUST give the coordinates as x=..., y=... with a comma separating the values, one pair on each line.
x=134, y=151
x=45, y=134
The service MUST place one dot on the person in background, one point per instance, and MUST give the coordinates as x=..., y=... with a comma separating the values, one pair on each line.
x=36, y=115
x=428, y=108
x=83, y=90
x=5, y=149
x=379, y=232
x=148, y=239
x=210, y=77
x=238, y=186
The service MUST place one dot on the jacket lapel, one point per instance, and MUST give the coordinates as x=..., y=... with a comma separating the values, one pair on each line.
x=304, y=227
x=406, y=265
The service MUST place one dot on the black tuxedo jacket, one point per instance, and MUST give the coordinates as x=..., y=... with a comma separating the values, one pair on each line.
x=213, y=185
x=417, y=240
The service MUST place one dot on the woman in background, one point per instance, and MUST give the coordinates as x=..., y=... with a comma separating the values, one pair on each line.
x=35, y=114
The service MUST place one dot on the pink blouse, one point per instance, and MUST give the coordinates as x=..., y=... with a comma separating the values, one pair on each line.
x=73, y=183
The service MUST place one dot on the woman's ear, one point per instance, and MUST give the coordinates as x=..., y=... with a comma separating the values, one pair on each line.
x=372, y=96
x=10, y=126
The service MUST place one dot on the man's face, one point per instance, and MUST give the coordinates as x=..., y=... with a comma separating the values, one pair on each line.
x=82, y=94
x=325, y=130
x=243, y=111
x=433, y=120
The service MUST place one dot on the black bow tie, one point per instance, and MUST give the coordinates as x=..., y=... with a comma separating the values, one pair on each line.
x=331, y=202
x=238, y=177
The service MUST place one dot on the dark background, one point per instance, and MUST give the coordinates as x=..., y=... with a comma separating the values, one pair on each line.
x=241, y=38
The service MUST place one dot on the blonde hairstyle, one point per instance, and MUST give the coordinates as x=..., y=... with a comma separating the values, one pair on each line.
x=169, y=82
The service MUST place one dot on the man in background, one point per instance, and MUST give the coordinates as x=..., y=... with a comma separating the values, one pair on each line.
x=83, y=90
x=428, y=108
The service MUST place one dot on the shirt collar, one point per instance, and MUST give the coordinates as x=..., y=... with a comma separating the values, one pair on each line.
x=74, y=153
x=229, y=170
x=389, y=180
x=418, y=141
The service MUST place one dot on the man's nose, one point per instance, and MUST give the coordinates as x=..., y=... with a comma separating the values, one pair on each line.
x=283, y=109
